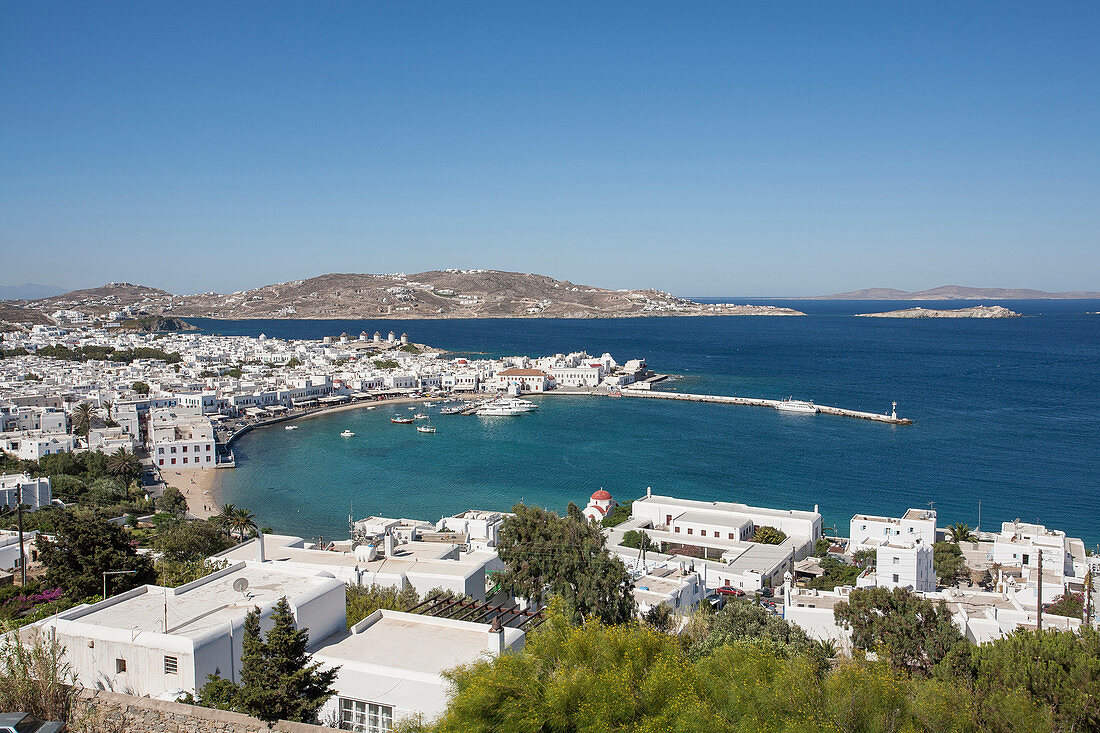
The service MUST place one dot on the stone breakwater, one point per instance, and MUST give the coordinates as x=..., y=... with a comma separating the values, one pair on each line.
x=979, y=311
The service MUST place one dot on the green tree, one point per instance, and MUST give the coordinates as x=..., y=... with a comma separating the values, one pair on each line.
x=107, y=492
x=83, y=549
x=140, y=387
x=960, y=532
x=766, y=535
x=190, y=541
x=637, y=539
x=618, y=514
x=279, y=680
x=1058, y=668
x=363, y=600
x=950, y=565
x=744, y=621
x=821, y=547
x=564, y=556
x=124, y=465
x=172, y=501
x=910, y=631
x=293, y=363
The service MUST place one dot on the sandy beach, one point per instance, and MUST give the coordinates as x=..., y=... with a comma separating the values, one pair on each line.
x=199, y=488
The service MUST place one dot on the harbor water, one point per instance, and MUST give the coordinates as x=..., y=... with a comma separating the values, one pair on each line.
x=1006, y=411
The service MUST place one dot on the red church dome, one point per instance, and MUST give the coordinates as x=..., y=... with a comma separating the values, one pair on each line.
x=601, y=494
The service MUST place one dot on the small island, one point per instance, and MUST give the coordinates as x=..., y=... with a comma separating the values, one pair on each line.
x=979, y=311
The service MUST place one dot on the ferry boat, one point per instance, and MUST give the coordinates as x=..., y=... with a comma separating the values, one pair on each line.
x=799, y=406
x=401, y=420
x=425, y=429
x=347, y=434
x=495, y=408
x=291, y=427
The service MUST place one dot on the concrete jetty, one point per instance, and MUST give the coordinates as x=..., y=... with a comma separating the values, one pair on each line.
x=726, y=400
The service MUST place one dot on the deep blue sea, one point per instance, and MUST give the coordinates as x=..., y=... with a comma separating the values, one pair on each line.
x=1007, y=414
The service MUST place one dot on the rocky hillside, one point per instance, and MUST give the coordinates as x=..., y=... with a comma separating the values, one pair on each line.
x=981, y=311
x=435, y=294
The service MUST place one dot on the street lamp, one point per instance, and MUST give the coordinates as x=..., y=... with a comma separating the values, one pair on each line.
x=113, y=572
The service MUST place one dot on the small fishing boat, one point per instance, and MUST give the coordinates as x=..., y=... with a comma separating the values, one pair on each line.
x=453, y=410
x=425, y=429
x=347, y=434
x=401, y=420
x=291, y=427
x=420, y=416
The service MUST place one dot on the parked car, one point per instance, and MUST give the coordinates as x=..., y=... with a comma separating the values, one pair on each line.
x=23, y=723
x=728, y=591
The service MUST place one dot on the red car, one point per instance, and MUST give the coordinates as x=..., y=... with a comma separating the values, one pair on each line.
x=727, y=591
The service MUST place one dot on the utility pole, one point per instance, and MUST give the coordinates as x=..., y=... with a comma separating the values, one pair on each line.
x=1039, y=595
x=1088, y=599
x=22, y=555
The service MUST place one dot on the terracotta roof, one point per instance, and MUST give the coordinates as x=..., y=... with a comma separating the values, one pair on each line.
x=601, y=494
x=522, y=373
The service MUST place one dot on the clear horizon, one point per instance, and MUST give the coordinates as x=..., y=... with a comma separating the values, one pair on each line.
x=698, y=149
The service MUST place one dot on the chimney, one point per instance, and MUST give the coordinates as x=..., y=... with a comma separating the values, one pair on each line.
x=496, y=638
x=260, y=547
x=649, y=491
x=389, y=544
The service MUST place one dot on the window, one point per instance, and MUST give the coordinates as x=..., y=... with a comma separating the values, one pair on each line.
x=173, y=449
x=365, y=717
x=703, y=532
x=170, y=665
x=676, y=530
x=160, y=462
x=1026, y=558
x=895, y=577
x=897, y=560
x=160, y=451
x=173, y=461
x=668, y=519
x=185, y=449
x=120, y=666
x=731, y=535
x=185, y=459
x=690, y=530
x=207, y=447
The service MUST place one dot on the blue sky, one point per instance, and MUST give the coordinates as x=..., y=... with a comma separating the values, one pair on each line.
x=708, y=149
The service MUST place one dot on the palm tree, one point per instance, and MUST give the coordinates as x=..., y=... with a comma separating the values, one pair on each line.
x=83, y=414
x=124, y=464
x=234, y=518
x=106, y=405
x=960, y=532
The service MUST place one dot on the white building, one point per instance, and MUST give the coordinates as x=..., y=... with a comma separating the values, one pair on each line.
x=587, y=375
x=915, y=524
x=1019, y=544
x=480, y=528
x=151, y=640
x=181, y=441
x=9, y=549
x=391, y=665
x=30, y=446
x=33, y=492
x=902, y=565
x=527, y=380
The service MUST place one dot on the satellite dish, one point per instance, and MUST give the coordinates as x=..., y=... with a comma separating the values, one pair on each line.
x=240, y=585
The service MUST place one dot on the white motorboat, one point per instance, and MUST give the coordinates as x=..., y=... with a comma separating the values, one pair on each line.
x=420, y=416
x=799, y=406
x=425, y=429
x=291, y=427
x=347, y=434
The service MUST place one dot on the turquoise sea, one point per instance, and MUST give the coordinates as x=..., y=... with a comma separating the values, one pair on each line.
x=1007, y=414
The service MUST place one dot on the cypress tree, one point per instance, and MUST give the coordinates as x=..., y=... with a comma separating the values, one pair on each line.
x=279, y=680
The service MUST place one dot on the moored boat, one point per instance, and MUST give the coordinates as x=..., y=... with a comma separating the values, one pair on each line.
x=799, y=406
x=347, y=434
x=401, y=420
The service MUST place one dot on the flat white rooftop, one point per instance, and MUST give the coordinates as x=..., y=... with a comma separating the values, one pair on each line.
x=411, y=642
x=196, y=608
x=727, y=507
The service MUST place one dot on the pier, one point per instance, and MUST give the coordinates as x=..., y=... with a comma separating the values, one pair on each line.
x=892, y=419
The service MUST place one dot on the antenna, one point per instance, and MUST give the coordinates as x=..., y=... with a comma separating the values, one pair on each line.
x=240, y=585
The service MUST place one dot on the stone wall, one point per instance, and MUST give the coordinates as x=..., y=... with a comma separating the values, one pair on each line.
x=112, y=711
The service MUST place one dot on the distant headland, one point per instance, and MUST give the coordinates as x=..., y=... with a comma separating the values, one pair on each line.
x=450, y=293
x=956, y=292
